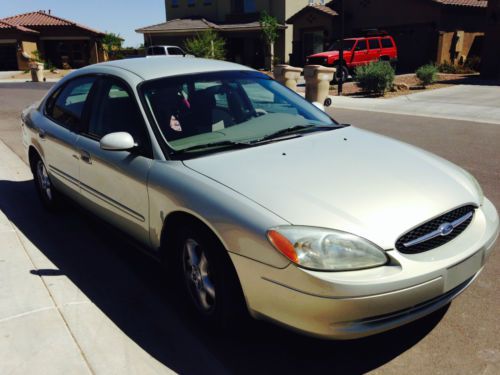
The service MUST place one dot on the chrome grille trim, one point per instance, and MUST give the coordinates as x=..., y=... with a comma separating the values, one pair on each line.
x=439, y=232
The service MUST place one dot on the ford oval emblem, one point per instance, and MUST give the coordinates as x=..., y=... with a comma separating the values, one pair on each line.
x=445, y=229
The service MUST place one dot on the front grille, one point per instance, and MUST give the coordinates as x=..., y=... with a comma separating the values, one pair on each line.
x=431, y=226
x=316, y=60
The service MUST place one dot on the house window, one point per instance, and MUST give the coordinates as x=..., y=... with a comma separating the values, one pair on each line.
x=244, y=6
x=191, y=3
x=249, y=6
x=175, y=3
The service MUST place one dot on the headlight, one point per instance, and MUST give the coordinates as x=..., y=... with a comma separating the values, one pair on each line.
x=325, y=249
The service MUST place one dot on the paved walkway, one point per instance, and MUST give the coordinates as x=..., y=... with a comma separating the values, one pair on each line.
x=47, y=324
x=463, y=102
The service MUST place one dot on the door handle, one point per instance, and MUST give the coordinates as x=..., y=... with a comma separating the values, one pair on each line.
x=85, y=156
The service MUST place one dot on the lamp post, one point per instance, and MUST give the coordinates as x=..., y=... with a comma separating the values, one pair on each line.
x=341, y=49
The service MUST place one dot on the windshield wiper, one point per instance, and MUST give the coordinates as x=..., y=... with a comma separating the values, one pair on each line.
x=293, y=130
x=205, y=146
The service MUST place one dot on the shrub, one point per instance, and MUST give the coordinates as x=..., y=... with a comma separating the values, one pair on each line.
x=376, y=77
x=447, y=67
x=207, y=44
x=427, y=74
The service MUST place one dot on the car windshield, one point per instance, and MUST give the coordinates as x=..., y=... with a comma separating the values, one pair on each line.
x=348, y=44
x=213, y=110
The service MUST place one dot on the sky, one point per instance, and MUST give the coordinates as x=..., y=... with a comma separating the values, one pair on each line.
x=117, y=16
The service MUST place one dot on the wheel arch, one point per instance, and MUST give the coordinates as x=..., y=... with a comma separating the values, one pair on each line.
x=176, y=219
x=33, y=153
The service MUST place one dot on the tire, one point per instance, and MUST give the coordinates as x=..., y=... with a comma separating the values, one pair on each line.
x=48, y=194
x=341, y=70
x=209, y=283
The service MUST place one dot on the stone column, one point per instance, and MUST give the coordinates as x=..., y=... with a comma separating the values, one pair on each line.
x=318, y=80
x=36, y=71
x=287, y=75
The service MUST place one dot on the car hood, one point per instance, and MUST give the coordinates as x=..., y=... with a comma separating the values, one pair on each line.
x=327, y=54
x=346, y=179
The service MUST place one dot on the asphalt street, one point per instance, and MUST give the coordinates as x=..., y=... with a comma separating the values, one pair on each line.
x=130, y=290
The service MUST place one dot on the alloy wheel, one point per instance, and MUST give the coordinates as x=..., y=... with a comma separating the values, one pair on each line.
x=44, y=180
x=197, y=275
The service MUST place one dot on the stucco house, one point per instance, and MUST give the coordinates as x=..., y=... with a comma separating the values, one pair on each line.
x=62, y=42
x=424, y=30
x=236, y=20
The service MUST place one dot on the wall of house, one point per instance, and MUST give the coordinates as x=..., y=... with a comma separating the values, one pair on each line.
x=383, y=13
x=311, y=21
x=490, y=66
x=455, y=46
x=27, y=46
x=220, y=9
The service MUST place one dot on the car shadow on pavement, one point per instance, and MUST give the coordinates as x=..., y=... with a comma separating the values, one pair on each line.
x=131, y=290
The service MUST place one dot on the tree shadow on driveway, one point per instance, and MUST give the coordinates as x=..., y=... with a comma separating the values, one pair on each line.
x=130, y=289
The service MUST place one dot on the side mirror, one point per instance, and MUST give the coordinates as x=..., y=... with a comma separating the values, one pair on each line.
x=118, y=141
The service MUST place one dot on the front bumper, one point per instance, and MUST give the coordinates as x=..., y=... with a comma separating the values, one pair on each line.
x=347, y=305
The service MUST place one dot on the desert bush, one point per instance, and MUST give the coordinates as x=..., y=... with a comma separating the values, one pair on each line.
x=207, y=44
x=447, y=67
x=376, y=77
x=427, y=74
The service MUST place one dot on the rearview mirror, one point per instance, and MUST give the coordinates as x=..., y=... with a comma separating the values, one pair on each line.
x=118, y=141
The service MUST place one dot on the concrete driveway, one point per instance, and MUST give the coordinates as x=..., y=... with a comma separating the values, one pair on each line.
x=480, y=103
x=76, y=298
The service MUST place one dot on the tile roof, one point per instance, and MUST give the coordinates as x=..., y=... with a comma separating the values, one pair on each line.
x=466, y=3
x=6, y=25
x=198, y=24
x=40, y=19
x=325, y=9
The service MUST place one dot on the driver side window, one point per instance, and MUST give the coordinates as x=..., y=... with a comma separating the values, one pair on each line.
x=361, y=46
x=117, y=111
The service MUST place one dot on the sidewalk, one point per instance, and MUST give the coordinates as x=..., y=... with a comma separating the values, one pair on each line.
x=462, y=102
x=47, y=324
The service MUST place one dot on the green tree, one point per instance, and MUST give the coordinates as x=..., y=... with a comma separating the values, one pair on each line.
x=207, y=44
x=112, y=44
x=270, y=27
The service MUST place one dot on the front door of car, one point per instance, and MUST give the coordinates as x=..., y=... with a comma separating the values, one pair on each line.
x=114, y=183
x=58, y=132
x=361, y=54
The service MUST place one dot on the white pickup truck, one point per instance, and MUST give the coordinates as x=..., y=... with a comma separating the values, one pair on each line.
x=166, y=51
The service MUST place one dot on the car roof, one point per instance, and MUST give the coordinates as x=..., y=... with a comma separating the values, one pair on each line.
x=153, y=68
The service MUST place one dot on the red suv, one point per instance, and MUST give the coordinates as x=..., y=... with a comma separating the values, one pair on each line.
x=357, y=51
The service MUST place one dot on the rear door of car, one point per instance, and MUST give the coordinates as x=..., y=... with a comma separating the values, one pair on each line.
x=114, y=183
x=64, y=116
x=374, y=49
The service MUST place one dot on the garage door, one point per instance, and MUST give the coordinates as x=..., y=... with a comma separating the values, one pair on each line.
x=8, y=57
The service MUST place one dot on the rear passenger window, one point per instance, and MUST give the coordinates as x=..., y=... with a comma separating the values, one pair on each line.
x=387, y=43
x=361, y=45
x=374, y=44
x=175, y=51
x=66, y=106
